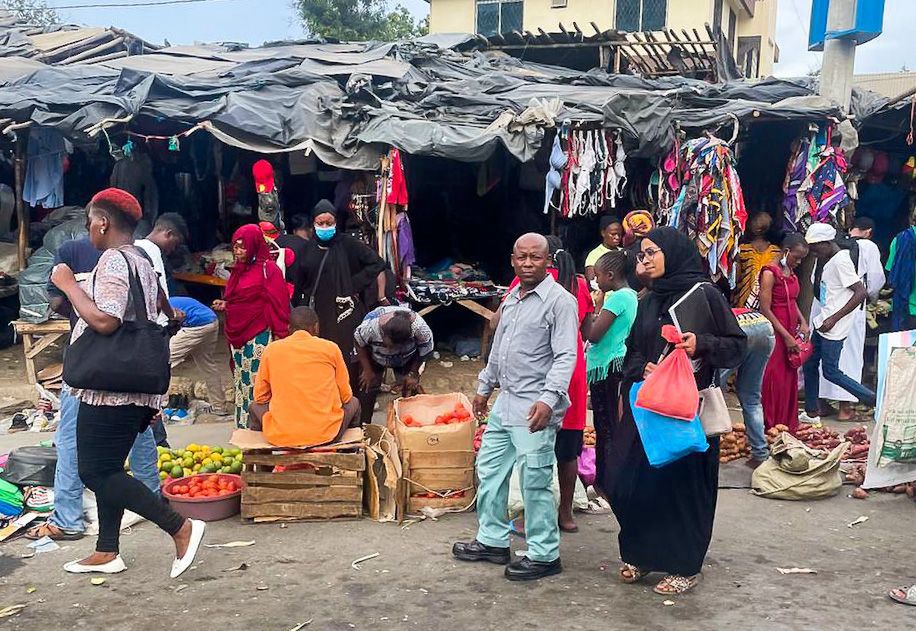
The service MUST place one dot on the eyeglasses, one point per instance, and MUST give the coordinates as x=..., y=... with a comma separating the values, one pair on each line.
x=646, y=254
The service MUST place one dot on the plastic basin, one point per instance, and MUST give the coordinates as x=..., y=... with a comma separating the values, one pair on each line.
x=205, y=508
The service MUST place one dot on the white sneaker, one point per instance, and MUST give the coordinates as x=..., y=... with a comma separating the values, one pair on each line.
x=197, y=535
x=811, y=420
x=114, y=566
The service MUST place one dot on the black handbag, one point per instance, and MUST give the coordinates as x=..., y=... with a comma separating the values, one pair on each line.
x=133, y=359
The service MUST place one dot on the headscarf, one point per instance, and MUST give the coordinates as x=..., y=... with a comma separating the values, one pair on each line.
x=683, y=266
x=634, y=222
x=256, y=294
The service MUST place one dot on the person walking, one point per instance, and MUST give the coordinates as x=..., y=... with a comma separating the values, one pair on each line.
x=666, y=514
x=840, y=292
x=901, y=275
x=66, y=522
x=778, y=303
x=108, y=422
x=532, y=362
x=852, y=357
x=607, y=331
x=256, y=303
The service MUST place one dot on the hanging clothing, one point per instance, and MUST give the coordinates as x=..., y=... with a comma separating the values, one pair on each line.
x=44, y=171
x=780, y=380
x=666, y=514
x=750, y=263
x=397, y=183
x=134, y=174
x=347, y=268
x=257, y=298
x=406, y=250
x=901, y=268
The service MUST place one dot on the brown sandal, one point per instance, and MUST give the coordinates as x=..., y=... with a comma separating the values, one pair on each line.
x=675, y=585
x=52, y=532
x=630, y=574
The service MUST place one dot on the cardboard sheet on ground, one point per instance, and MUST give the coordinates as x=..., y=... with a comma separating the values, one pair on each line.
x=895, y=473
x=248, y=439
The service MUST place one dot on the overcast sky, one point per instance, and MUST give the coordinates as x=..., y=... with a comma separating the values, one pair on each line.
x=257, y=21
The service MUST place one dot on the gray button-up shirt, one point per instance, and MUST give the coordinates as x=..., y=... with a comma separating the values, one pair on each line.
x=533, y=353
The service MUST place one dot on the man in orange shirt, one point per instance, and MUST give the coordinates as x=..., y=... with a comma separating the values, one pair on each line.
x=302, y=396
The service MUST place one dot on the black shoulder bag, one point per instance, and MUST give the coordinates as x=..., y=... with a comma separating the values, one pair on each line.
x=133, y=359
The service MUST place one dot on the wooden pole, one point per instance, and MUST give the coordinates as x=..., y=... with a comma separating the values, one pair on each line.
x=383, y=207
x=21, y=213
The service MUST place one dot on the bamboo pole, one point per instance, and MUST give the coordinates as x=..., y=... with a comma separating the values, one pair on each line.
x=21, y=213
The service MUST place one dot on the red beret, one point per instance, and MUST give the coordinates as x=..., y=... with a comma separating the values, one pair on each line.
x=119, y=200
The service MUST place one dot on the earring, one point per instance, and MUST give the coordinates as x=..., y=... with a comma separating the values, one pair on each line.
x=102, y=230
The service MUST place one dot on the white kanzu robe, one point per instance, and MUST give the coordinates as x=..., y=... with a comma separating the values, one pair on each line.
x=871, y=271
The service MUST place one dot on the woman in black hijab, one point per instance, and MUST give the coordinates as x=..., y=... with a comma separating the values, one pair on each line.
x=666, y=514
x=335, y=271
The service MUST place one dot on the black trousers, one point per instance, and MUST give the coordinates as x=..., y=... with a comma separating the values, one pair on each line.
x=104, y=437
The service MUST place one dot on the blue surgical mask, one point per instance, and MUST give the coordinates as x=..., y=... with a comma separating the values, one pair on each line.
x=325, y=234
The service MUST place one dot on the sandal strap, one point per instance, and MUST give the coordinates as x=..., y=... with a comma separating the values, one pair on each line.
x=680, y=583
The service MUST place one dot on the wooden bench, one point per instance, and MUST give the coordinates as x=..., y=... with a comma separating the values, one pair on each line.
x=328, y=486
x=37, y=338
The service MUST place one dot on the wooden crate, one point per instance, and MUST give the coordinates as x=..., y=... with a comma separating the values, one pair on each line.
x=332, y=488
x=435, y=471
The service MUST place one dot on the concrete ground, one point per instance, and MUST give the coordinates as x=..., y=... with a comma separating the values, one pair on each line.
x=301, y=573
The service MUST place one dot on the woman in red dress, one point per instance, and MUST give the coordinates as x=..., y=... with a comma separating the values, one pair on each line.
x=778, y=303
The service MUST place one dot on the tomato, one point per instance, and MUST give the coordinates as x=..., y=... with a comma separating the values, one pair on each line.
x=232, y=486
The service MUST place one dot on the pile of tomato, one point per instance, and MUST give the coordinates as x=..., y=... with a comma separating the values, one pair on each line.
x=459, y=414
x=205, y=486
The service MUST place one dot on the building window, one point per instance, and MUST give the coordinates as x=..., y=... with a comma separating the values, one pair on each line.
x=641, y=15
x=495, y=17
x=748, y=57
x=732, y=30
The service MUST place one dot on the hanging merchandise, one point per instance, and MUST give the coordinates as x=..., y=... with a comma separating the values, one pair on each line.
x=710, y=204
x=392, y=198
x=590, y=173
x=44, y=172
x=666, y=181
x=814, y=187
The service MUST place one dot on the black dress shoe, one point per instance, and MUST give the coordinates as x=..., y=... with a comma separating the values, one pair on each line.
x=527, y=570
x=476, y=551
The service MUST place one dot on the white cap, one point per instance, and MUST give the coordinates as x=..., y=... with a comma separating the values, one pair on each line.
x=820, y=232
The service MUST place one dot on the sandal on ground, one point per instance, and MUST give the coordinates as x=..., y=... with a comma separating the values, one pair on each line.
x=903, y=595
x=630, y=574
x=675, y=585
x=53, y=532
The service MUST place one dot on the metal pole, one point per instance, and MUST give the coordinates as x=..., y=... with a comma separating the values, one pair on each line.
x=22, y=214
x=839, y=54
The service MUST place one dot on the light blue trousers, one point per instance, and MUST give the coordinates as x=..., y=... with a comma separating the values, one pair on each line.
x=502, y=448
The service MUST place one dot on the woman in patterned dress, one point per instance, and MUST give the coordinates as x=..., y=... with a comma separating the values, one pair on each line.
x=256, y=304
x=753, y=255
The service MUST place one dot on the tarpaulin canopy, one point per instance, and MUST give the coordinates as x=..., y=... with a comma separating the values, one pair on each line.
x=348, y=101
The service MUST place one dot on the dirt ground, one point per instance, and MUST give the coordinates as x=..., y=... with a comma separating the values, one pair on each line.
x=301, y=573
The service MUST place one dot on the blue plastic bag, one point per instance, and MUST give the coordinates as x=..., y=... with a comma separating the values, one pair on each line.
x=666, y=439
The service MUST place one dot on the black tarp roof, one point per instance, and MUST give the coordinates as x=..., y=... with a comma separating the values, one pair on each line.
x=348, y=101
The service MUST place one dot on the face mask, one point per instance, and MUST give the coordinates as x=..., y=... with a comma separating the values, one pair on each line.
x=325, y=234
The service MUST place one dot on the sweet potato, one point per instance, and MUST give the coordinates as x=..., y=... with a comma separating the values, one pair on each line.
x=859, y=493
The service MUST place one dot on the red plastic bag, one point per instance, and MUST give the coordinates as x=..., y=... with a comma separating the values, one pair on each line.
x=671, y=389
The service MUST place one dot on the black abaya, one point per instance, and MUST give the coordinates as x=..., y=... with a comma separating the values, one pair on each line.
x=666, y=514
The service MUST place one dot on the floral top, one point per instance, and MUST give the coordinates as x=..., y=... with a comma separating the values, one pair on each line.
x=111, y=290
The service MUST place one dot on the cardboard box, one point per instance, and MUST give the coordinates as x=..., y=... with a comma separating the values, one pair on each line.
x=424, y=408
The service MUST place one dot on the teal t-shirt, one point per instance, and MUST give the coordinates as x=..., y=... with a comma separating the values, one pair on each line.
x=609, y=351
x=890, y=263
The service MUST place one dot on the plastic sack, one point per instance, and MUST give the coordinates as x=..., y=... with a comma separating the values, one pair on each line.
x=31, y=466
x=666, y=439
x=587, y=466
x=782, y=477
x=671, y=389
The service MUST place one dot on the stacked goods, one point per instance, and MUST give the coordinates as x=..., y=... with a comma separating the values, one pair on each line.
x=588, y=438
x=436, y=443
x=733, y=445
x=856, y=476
x=181, y=463
x=858, y=436
x=823, y=438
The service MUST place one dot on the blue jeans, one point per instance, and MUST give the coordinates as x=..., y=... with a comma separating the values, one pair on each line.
x=827, y=356
x=749, y=381
x=68, y=488
x=501, y=449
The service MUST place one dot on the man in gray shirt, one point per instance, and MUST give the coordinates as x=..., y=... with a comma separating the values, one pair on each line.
x=531, y=361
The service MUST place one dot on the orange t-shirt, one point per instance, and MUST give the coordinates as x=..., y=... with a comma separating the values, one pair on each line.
x=306, y=382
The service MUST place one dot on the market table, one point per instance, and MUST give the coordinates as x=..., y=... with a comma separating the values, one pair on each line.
x=199, y=279
x=47, y=332
x=475, y=307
